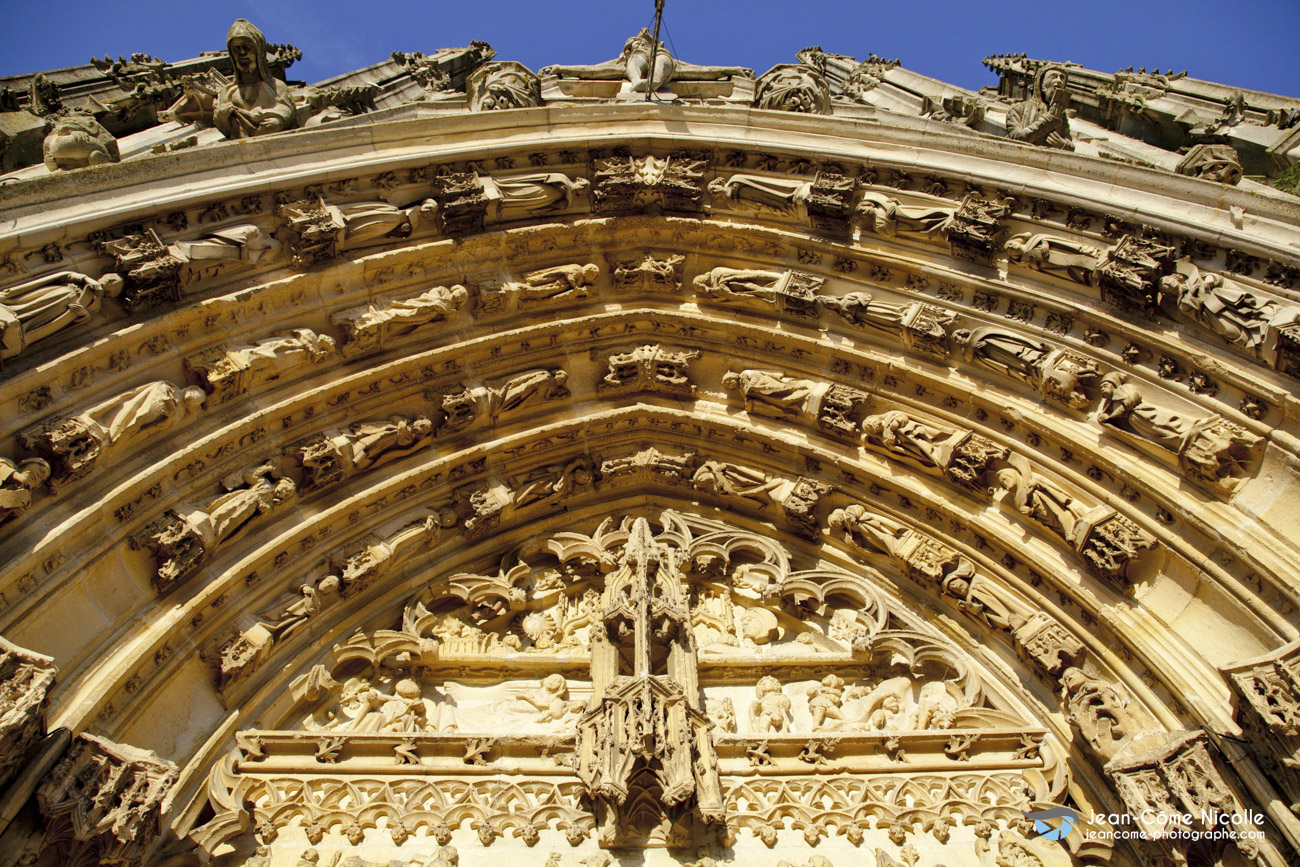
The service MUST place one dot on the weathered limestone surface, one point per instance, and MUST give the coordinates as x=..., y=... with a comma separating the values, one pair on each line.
x=411, y=482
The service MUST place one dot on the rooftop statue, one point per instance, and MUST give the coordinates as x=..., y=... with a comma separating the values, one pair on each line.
x=633, y=66
x=255, y=103
x=1041, y=119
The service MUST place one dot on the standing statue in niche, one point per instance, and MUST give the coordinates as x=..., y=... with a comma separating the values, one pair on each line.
x=255, y=103
x=39, y=308
x=1041, y=119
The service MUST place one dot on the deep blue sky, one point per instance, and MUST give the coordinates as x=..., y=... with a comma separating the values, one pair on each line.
x=1246, y=43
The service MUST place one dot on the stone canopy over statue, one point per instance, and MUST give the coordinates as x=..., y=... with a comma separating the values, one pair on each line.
x=255, y=103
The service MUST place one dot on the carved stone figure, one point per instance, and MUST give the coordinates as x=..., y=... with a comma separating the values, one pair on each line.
x=825, y=701
x=770, y=711
x=1073, y=260
x=869, y=531
x=40, y=308
x=982, y=599
x=247, y=650
x=760, y=191
x=182, y=540
x=1237, y=315
x=649, y=273
x=152, y=273
x=336, y=455
x=647, y=184
x=17, y=483
x=793, y=87
x=1211, y=449
x=650, y=368
x=974, y=231
x=226, y=372
x=503, y=85
x=902, y=436
x=1130, y=276
x=732, y=480
x=918, y=325
x=526, y=195
x=73, y=444
x=1039, y=499
x=1098, y=711
x=551, y=699
x=78, y=141
x=255, y=103
x=567, y=282
x=634, y=64
x=1059, y=374
x=1212, y=162
x=772, y=393
x=882, y=215
x=247, y=244
x=370, y=328
x=1041, y=118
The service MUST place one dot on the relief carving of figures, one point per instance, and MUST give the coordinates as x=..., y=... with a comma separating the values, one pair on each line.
x=227, y=372
x=403, y=711
x=793, y=87
x=551, y=699
x=650, y=368
x=462, y=408
x=503, y=85
x=151, y=273
x=1059, y=374
x=649, y=274
x=648, y=184
x=732, y=480
x=1219, y=163
x=359, y=568
x=181, y=541
x=25, y=682
x=762, y=192
x=256, y=102
x=77, y=141
x=770, y=711
x=40, y=308
x=649, y=463
x=825, y=702
x=1038, y=499
x=919, y=326
x=73, y=444
x=869, y=531
x=983, y=600
x=915, y=442
x=335, y=455
x=1211, y=450
x=370, y=328
x=1237, y=315
x=1062, y=257
x=567, y=282
x=1041, y=119
x=882, y=215
x=1098, y=711
x=973, y=230
x=794, y=291
x=17, y=483
x=633, y=66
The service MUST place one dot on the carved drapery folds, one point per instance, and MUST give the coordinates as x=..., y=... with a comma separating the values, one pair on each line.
x=648, y=273
x=227, y=372
x=371, y=328
x=152, y=274
x=104, y=801
x=918, y=326
x=555, y=285
x=25, y=682
x=793, y=292
x=182, y=540
x=836, y=409
x=40, y=308
x=335, y=455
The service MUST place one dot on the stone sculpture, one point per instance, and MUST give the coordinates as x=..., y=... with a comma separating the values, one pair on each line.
x=78, y=141
x=255, y=103
x=1041, y=119
x=181, y=541
x=246, y=243
x=38, y=309
x=917, y=325
x=336, y=455
x=883, y=215
x=562, y=282
x=551, y=699
x=226, y=372
x=17, y=484
x=27, y=679
x=650, y=368
x=503, y=85
x=770, y=711
x=772, y=393
x=633, y=65
x=370, y=328
x=1058, y=374
x=1061, y=257
x=1211, y=450
x=1239, y=316
x=793, y=87
x=74, y=444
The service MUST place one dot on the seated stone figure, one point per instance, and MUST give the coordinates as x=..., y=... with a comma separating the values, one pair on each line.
x=255, y=103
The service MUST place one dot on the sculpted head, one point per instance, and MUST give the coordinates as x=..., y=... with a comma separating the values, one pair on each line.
x=247, y=48
x=1110, y=382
